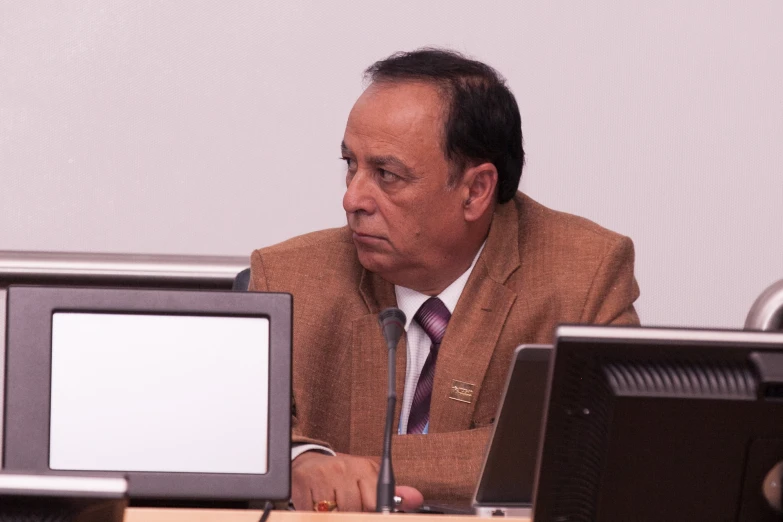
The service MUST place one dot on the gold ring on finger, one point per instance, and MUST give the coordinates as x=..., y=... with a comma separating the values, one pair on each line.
x=324, y=506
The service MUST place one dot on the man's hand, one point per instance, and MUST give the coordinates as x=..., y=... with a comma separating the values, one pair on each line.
x=350, y=481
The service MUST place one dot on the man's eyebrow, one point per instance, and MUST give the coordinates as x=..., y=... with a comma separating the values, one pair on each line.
x=380, y=161
x=393, y=161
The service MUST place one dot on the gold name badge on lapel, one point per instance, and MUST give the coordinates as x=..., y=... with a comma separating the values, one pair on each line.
x=461, y=391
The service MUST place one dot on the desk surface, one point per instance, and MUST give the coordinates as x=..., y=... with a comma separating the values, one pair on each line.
x=230, y=515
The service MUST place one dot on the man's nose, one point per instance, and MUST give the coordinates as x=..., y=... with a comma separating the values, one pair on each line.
x=359, y=194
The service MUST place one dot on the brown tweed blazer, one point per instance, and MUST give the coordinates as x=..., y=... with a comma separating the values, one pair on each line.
x=539, y=268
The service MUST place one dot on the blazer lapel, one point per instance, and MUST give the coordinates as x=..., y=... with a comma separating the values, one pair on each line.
x=475, y=326
x=369, y=372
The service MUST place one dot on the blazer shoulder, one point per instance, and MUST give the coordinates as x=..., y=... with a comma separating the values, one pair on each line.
x=572, y=269
x=567, y=251
x=563, y=232
x=330, y=236
x=315, y=258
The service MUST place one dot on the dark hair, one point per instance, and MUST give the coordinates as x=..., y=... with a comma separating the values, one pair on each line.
x=482, y=119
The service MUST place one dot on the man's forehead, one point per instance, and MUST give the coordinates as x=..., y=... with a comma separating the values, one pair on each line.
x=409, y=99
x=399, y=113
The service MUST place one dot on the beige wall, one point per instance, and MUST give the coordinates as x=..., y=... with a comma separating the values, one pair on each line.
x=202, y=127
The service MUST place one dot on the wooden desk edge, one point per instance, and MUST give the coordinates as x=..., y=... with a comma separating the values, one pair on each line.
x=231, y=515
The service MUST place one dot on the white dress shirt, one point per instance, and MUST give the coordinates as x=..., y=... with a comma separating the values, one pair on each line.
x=418, y=343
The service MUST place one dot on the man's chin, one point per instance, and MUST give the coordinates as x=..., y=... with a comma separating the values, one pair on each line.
x=373, y=261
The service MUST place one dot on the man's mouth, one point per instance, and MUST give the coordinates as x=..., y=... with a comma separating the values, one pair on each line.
x=367, y=238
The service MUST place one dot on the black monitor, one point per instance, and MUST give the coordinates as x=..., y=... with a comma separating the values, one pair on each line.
x=662, y=424
x=187, y=393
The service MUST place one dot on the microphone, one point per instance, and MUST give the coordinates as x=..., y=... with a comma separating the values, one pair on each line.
x=392, y=321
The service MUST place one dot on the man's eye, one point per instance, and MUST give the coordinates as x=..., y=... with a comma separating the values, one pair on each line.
x=387, y=176
x=348, y=162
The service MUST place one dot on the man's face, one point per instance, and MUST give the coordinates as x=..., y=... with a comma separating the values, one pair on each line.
x=406, y=221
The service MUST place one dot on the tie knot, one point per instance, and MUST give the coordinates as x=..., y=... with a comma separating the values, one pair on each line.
x=433, y=317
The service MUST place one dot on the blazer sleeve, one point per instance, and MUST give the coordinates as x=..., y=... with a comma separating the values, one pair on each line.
x=614, y=288
x=259, y=283
x=442, y=466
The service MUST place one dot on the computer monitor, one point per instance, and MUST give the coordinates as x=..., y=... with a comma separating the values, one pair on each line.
x=187, y=393
x=662, y=424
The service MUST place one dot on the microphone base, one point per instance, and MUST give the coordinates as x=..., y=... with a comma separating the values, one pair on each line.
x=385, y=499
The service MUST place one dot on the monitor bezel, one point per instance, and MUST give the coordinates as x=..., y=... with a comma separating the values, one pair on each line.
x=28, y=382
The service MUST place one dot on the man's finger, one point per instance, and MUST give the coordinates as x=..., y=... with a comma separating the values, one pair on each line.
x=302, y=499
x=321, y=494
x=412, y=499
x=368, y=491
x=349, y=498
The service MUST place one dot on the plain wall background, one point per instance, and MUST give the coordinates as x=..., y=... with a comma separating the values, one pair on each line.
x=201, y=127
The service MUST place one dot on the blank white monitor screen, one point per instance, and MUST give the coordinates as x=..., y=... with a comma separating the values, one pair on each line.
x=159, y=393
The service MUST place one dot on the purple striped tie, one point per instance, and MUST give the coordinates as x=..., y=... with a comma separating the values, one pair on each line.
x=433, y=317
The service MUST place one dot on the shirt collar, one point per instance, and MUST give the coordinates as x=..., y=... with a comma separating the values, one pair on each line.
x=409, y=301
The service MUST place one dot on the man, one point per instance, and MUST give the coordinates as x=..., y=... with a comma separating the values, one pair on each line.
x=433, y=151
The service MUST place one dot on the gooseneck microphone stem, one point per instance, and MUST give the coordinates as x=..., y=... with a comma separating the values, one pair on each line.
x=392, y=321
x=386, y=483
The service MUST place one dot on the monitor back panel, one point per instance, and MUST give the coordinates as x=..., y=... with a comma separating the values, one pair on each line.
x=658, y=424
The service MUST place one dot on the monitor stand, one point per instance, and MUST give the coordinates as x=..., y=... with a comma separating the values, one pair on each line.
x=61, y=498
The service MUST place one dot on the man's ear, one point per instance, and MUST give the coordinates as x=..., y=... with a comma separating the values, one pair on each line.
x=478, y=185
